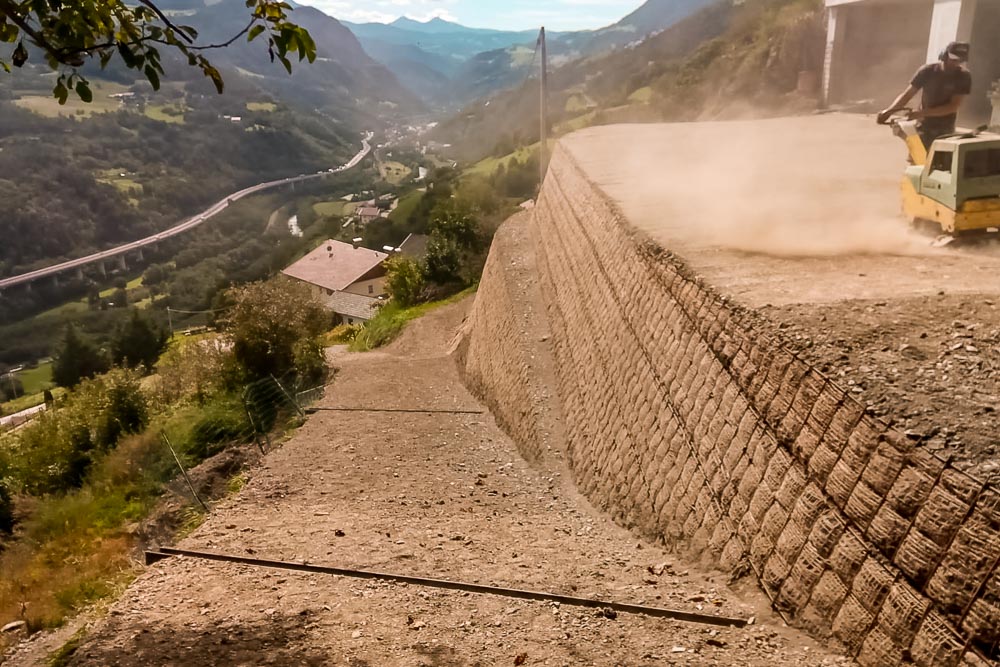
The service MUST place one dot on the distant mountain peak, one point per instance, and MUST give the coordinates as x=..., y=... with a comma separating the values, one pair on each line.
x=434, y=25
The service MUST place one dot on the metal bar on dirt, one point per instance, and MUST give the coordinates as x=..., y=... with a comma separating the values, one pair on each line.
x=177, y=460
x=660, y=612
x=432, y=411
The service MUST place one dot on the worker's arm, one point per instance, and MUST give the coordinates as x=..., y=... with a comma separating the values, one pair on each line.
x=899, y=103
x=944, y=110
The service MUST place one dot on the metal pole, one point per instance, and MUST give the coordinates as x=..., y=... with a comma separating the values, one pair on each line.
x=177, y=460
x=544, y=110
x=170, y=323
x=291, y=400
x=693, y=617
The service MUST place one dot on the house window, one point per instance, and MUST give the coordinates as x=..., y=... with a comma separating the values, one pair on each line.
x=371, y=289
x=350, y=320
x=329, y=292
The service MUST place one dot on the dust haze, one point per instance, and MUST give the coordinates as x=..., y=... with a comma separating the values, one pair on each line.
x=816, y=186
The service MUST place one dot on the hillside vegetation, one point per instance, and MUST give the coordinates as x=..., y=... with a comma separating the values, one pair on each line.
x=727, y=60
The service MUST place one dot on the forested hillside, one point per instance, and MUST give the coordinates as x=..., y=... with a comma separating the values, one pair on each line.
x=727, y=60
x=74, y=185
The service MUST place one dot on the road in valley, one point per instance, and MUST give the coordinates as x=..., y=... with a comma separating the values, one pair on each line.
x=186, y=225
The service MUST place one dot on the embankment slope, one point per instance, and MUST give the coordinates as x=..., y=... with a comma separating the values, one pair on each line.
x=689, y=419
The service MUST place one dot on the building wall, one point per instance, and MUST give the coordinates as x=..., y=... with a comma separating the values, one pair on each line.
x=688, y=425
x=881, y=46
x=377, y=286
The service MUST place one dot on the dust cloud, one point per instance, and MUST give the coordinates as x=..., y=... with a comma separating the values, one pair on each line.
x=787, y=187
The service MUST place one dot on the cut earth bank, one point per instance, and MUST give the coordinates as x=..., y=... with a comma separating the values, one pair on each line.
x=441, y=494
x=692, y=417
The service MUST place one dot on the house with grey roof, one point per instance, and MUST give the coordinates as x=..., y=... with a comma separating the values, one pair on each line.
x=348, y=279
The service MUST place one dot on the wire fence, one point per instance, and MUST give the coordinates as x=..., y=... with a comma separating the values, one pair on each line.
x=259, y=414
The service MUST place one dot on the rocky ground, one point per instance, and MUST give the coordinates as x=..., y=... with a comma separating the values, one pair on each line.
x=930, y=365
x=442, y=495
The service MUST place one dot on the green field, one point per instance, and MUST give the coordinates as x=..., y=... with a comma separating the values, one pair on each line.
x=335, y=208
x=407, y=204
x=489, y=166
x=393, y=172
x=37, y=379
x=47, y=105
x=132, y=284
x=262, y=106
x=166, y=113
x=642, y=96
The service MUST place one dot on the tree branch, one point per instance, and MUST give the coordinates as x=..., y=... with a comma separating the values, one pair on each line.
x=163, y=17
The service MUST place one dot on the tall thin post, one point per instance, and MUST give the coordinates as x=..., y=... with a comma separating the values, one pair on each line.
x=544, y=110
x=177, y=460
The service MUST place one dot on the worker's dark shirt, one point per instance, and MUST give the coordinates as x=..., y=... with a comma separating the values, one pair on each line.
x=939, y=86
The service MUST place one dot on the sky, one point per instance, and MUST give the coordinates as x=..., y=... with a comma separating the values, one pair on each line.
x=498, y=14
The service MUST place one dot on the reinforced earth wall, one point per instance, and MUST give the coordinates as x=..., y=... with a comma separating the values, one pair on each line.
x=687, y=424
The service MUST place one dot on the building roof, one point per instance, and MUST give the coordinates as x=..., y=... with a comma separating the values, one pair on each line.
x=415, y=246
x=351, y=305
x=368, y=212
x=335, y=265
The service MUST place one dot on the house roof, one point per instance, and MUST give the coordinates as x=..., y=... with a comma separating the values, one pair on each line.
x=368, y=212
x=351, y=305
x=335, y=265
x=415, y=246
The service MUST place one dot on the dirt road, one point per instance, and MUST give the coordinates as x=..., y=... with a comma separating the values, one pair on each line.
x=439, y=495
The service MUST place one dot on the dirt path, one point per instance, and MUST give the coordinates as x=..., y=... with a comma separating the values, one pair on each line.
x=439, y=495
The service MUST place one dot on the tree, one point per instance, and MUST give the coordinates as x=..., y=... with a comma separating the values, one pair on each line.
x=138, y=342
x=404, y=280
x=71, y=33
x=77, y=359
x=268, y=320
x=454, y=237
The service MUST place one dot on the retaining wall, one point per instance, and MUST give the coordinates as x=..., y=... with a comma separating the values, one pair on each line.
x=686, y=424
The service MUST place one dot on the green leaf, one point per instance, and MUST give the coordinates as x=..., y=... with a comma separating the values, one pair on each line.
x=84, y=91
x=153, y=77
x=60, y=92
x=255, y=32
x=286, y=62
x=20, y=55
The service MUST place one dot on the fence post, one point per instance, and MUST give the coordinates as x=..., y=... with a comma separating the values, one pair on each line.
x=253, y=425
x=291, y=400
x=177, y=460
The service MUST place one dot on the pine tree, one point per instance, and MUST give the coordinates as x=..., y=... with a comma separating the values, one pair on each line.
x=76, y=359
x=138, y=343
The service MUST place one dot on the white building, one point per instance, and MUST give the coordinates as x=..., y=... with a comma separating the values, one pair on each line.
x=348, y=279
x=873, y=47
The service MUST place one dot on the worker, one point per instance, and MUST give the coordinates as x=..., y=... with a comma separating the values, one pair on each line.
x=944, y=85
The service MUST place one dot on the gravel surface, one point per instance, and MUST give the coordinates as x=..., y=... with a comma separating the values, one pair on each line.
x=930, y=365
x=439, y=495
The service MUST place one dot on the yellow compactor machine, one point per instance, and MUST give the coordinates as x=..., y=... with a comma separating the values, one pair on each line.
x=955, y=186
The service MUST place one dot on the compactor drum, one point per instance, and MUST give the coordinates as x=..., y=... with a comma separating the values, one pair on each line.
x=954, y=187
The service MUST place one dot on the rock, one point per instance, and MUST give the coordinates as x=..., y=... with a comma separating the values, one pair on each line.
x=14, y=626
x=678, y=649
x=356, y=634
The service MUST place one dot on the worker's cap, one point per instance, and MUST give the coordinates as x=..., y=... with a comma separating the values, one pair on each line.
x=957, y=51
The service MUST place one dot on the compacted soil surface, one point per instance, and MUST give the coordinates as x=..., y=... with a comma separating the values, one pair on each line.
x=439, y=492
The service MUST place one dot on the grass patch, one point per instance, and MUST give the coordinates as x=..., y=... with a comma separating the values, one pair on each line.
x=132, y=284
x=166, y=113
x=46, y=105
x=392, y=319
x=37, y=379
x=488, y=166
x=64, y=654
x=642, y=96
x=393, y=172
x=407, y=205
x=335, y=208
x=266, y=107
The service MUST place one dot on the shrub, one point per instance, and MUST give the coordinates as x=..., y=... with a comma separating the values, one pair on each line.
x=267, y=320
x=221, y=423
x=6, y=509
x=405, y=280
